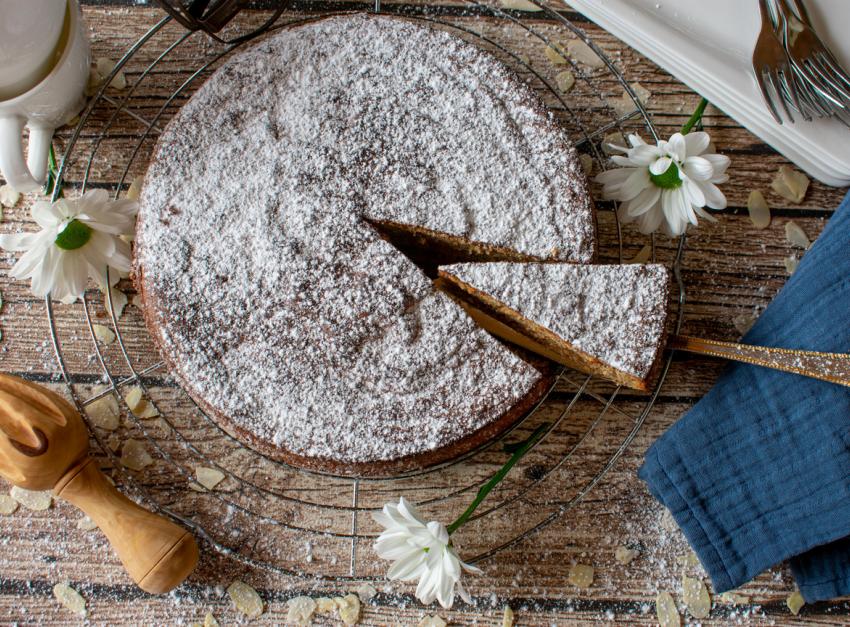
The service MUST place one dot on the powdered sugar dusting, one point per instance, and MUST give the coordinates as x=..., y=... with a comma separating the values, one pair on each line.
x=615, y=313
x=271, y=297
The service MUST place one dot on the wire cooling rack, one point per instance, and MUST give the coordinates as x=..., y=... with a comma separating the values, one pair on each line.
x=277, y=517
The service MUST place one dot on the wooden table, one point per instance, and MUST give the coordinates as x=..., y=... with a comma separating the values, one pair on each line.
x=731, y=270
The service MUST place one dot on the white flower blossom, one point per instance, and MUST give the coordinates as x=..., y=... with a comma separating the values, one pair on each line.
x=421, y=551
x=668, y=184
x=79, y=238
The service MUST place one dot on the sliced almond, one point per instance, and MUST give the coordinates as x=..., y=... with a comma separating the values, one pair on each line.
x=86, y=524
x=556, y=54
x=349, y=608
x=586, y=163
x=581, y=575
x=431, y=621
x=613, y=139
x=743, y=323
x=791, y=264
x=300, y=611
x=696, y=598
x=665, y=610
x=103, y=334
x=135, y=188
x=642, y=255
x=9, y=196
x=624, y=555
x=759, y=209
x=246, y=599
x=104, y=414
x=210, y=620
x=119, y=300
x=688, y=560
x=8, y=505
x=70, y=598
x=208, y=477
x=104, y=67
x=795, y=602
x=733, y=598
x=325, y=605
x=565, y=81
x=790, y=184
x=796, y=236
x=134, y=399
x=366, y=592
x=35, y=500
x=135, y=456
x=520, y=5
x=508, y=618
x=584, y=54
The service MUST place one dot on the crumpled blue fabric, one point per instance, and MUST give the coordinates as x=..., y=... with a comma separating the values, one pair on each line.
x=758, y=471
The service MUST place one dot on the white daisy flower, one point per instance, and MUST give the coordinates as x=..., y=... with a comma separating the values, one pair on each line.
x=421, y=551
x=79, y=238
x=668, y=184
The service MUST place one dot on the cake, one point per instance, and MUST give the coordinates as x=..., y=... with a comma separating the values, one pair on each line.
x=267, y=252
x=607, y=320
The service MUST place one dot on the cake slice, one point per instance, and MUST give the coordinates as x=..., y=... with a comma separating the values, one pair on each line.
x=606, y=320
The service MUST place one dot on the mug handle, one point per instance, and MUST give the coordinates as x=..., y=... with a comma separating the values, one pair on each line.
x=29, y=176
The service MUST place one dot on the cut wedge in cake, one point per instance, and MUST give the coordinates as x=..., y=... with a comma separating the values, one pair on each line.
x=606, y=320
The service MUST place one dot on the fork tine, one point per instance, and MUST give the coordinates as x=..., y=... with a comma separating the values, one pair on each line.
x=766, y=95
x=787, y=75
x=836, y=70
x=773, y=77
x=825, y=83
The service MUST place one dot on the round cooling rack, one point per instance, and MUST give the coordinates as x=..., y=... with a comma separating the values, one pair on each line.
x=284, y=519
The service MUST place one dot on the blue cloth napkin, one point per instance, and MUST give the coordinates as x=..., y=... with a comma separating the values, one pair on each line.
x=758, y=471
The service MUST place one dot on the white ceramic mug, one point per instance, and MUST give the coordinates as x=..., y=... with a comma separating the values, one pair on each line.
x=48, y=104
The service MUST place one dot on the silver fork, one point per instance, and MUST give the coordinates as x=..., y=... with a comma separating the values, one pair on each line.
x=822, y=78
x=773, y=68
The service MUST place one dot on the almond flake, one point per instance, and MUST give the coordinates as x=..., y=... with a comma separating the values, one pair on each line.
x=104, y=413
x=210, y=620
x=520, y=5
x=8, y=505
x=86, y=524
x=556, y=53
x=733, y=598
x=134, y=398
x=688, y=560
x=743, y=323
x=642, y=93
x=791, y=264
x=119, y=300
x=790, y=184
x=114, y=443
x=796, y=236
x=508, y=618
x=103, y=334
x=696, y=598
x=624, y=555
x=325, y=605
x=432, y=621
x=581, y=575
x=135, y=456
x=35, y=500
x=584, y=54
x=300, y=610
x=104, y=67
x=246, y=599
x=613, y=139
x=70, y=598
x=565, y=81
x=759, y=209
x=366, y=592
x=586, y=163
x=642, y=255
x=665, y=610
x=349, y=608
x=795, y=602
x=9, y=196
x=135, y=188
x=208, y=477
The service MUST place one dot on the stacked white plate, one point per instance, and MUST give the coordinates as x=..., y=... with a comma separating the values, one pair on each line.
x=708, y=45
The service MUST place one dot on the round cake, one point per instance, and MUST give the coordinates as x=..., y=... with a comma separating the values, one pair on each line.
x=275, y=301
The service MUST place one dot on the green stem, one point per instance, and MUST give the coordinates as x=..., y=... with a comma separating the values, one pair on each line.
x=696, y=117
x=520, y=450
x=52, y=172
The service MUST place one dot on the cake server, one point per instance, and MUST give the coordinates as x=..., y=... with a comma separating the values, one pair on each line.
x=44, y=446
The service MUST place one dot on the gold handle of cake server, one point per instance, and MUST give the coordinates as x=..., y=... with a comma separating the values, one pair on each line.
x=832, y=367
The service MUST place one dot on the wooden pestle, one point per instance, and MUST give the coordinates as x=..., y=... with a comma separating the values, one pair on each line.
x=44, y=446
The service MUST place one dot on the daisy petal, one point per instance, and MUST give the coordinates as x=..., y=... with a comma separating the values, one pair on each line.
x=698, y=168
x=643, y=202
x=637, y=182
x=696, y=142
x=714, y=198
x=660, y=166
x=677, y=148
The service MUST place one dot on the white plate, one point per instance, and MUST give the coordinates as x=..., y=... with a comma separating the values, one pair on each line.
x=708, y=46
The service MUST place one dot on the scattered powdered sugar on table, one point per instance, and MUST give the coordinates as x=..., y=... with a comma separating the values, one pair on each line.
x=616, y=313
x=270, y=296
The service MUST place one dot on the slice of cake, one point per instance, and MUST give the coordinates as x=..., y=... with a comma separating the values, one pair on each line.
x=607, y=320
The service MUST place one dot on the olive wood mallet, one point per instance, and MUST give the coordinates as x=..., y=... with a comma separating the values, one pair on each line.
x=44, y=445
